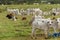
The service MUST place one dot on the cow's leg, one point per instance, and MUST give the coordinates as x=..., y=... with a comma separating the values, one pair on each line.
x=33, y=33
x=46, y=33
x=54, y=29
x=14, y=18
x=58, y=27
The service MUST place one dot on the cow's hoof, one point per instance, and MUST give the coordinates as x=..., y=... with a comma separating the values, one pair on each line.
x=31, y=37
x=46, y=38
x=35, y=37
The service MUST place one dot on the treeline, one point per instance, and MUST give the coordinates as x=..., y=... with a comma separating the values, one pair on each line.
x=28, y=1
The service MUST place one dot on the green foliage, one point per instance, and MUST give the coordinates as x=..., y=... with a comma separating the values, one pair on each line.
x=27, y=1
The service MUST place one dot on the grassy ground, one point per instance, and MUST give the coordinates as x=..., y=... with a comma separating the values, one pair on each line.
x=20, y=30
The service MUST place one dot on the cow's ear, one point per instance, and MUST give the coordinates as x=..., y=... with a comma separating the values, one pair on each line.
x=56, y=19
x=51, y=22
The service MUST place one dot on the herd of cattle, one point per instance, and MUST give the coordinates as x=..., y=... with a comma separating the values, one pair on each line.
x=32, y=11
x=38, y=21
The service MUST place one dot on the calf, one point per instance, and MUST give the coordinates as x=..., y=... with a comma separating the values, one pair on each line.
x=42, y=24
x=11, y=16
x=54, y=25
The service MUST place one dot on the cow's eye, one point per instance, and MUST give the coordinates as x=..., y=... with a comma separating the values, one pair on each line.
x=51, y=22
x=47, y=22
x=56, y=19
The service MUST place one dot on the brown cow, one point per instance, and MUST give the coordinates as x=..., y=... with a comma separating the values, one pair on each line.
x=11, y=16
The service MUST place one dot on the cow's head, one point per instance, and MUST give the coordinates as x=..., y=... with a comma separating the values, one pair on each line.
x=53, y=23
x=49, y=21
x=9, y=16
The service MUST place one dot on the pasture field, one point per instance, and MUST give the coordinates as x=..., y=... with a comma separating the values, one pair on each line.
x=21, y=30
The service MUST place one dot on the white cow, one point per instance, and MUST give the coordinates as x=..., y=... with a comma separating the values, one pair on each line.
x=23, y=12
x=34, y=11
x=46, y=13
x=58, y=20
x=39, y=11
x=54, y=25
x=15, y=11
x=30, y=11
x=56, y=11
x=40, y=23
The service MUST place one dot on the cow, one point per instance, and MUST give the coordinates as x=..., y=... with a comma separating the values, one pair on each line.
x=39, y=11
x=11, y=16
x=58, y=21
x=56, y=11
x=36, y=17
x=15, y=11
x=55, y=24
x=40, y=23
x=34, y=11
x=23, y=12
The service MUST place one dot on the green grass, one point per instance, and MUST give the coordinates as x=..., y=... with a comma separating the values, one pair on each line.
x=20, y=30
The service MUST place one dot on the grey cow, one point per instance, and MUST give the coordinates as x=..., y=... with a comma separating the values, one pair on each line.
x=42, y=24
